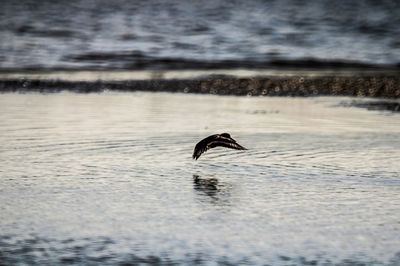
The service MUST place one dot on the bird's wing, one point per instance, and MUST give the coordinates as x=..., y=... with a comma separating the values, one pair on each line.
x=215, y=141
x=226, y=144
x=222, y=138
x=202, y=146
x=198, y=150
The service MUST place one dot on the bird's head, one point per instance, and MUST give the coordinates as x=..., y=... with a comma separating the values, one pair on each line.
x=226, y=135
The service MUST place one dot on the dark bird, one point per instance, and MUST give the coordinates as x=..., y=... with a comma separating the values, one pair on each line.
x=223, y=140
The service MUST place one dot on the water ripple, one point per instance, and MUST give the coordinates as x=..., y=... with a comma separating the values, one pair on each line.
x=116, y=183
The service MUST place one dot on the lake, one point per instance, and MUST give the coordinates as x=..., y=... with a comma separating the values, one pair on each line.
x=108, y=178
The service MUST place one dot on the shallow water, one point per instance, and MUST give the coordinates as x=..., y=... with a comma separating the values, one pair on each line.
x=108, y=178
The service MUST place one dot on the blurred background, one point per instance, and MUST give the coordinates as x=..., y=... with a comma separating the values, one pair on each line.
x=156, y=34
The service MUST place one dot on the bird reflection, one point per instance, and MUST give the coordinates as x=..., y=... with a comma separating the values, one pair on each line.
x=209, y=185
x=212, y=188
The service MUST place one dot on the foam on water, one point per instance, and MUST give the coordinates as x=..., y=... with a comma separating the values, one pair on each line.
x=108, y=178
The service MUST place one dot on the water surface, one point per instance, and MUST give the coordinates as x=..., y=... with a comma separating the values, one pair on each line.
x=174, y=34
x=108, y=178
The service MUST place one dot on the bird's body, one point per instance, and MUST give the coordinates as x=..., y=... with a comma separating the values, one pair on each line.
x=223, y=140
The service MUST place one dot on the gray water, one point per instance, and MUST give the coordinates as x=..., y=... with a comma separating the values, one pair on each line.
x=108, y=178
x=169, y=34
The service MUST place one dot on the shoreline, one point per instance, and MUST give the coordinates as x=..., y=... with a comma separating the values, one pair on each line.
x=369, y=83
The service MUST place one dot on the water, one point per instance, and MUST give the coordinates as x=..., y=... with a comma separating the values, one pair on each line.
x=108, y=178
x=172, y=34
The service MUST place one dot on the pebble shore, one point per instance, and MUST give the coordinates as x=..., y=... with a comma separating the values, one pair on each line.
x=371, y=85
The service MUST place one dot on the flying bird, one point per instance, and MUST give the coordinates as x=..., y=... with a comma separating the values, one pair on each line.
x=223, y=140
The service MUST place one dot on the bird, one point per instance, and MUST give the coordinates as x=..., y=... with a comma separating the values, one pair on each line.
x=223, y=140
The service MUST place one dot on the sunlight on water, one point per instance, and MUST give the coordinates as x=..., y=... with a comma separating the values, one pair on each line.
x=108, y=178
